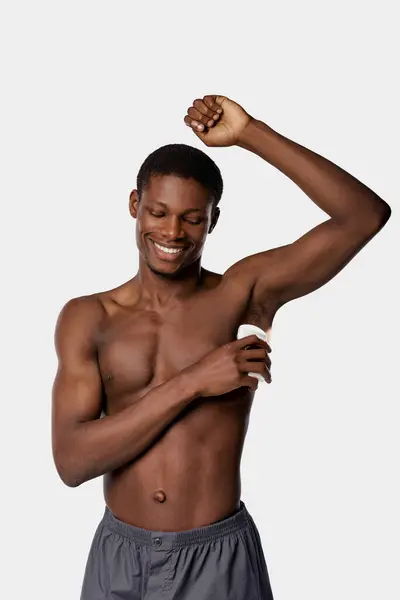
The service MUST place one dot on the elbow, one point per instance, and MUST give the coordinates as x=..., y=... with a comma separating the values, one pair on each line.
x=68, y=471
x=70, y=480
x=72, y=483
x=384, y=213
x=368, y=218
x=370, y=222
x=381, y=215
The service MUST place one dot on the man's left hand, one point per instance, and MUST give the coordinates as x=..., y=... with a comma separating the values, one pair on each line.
x=217, y=120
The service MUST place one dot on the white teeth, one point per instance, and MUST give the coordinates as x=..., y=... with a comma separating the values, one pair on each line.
x=168, y=250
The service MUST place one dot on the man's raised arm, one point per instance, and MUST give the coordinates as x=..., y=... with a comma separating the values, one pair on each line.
x=356, y=215
x=356, y=212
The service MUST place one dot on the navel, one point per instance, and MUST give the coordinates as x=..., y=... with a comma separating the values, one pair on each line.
x=159, y=496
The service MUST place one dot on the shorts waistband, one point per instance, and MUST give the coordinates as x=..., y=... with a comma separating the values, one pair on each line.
x=165, y=540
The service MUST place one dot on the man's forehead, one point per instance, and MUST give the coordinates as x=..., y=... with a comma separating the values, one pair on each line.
x=168, y=206
x=157, y=182
x=169, y=189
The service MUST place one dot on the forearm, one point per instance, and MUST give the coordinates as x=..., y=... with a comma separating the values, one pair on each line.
x=335, y=191
x=96, y=447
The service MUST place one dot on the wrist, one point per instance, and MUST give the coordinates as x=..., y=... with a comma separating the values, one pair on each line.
x=253, y=135
x=247, y=133
x=188, y=384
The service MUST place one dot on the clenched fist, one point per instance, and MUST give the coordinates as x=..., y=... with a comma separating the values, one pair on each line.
x=217, y=120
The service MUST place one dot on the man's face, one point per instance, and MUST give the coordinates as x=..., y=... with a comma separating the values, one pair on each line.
x=173, y=217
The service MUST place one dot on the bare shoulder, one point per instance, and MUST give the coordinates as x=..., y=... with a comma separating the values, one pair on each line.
x=90, y=309
x=78, y=321
x=229, y=286
x=82, y=308
x=210, y=280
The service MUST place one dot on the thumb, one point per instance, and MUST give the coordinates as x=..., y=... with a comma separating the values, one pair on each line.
x=220, y=100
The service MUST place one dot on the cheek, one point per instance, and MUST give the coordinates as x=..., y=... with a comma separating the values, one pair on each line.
x=200, y=239
x=142, y=224
x=140, y=229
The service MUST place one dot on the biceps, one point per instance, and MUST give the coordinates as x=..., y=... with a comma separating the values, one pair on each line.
x=311, y=261
x=77, y=397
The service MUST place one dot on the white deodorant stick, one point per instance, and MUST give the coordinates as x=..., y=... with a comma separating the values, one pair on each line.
x=247, y=329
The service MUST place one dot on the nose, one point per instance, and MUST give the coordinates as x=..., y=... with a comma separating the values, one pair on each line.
x=172, y=228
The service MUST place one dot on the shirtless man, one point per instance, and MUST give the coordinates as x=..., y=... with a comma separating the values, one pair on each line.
x=152, y=388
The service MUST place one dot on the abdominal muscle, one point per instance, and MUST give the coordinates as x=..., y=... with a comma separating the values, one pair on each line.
x=190, y=477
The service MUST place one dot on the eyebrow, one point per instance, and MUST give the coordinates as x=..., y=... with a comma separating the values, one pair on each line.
x=189, y=210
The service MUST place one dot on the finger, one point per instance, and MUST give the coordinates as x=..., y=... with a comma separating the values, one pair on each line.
x=214, y=109
x=256, y=367
x=256, y=354
x=195, y=125
x=204, y=109
x=260, y=344
x=250, y=382
x=267, y=374
x=253, y=340
x=212, y=104
x=245, y=366
x=200, y=117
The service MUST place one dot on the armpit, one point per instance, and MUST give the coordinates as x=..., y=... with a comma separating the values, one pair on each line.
x=259, y=314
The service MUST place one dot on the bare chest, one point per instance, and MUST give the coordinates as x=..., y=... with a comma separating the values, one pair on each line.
x=139, y=349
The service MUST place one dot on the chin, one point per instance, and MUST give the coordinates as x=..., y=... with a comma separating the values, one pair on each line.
x=165, y=273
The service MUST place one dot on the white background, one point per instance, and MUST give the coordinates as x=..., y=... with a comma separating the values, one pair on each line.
x=90, y=88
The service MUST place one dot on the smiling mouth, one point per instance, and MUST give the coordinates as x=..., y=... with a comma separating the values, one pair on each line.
x=167, y=251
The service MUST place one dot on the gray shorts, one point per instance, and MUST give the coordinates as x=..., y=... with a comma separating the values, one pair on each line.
x=221, y=561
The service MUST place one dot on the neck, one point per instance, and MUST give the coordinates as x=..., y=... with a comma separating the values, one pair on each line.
x=162, y=289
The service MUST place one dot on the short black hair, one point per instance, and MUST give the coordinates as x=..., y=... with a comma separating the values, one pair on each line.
x=183, y=161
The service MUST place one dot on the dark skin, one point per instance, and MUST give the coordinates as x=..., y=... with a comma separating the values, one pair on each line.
x=158, y=355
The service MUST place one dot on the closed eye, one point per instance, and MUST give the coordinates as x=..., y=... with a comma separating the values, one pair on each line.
x=197, y=222
x=159, y=215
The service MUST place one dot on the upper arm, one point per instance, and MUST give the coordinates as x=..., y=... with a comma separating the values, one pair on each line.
x=308, y=263
x=77, y=388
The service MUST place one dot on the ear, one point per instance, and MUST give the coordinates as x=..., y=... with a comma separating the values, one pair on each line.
x=134, y=203
x=214, y=218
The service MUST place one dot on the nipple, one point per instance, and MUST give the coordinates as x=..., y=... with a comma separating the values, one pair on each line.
x=160, y=496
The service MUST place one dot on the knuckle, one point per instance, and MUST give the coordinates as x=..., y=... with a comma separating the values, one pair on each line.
x=207, y=106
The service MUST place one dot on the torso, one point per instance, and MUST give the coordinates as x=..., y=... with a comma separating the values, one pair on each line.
x=195, y=464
